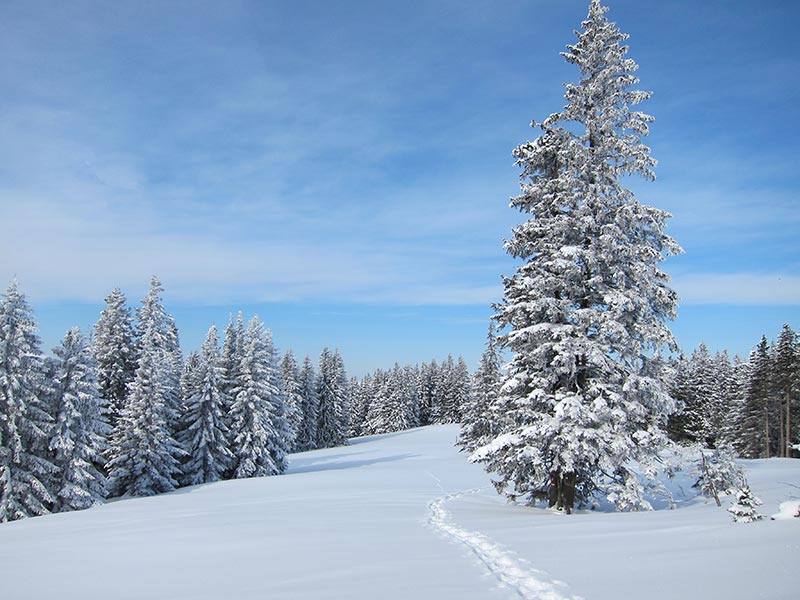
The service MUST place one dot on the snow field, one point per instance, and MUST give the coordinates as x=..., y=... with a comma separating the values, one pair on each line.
x=508, y=569
x=390, y=517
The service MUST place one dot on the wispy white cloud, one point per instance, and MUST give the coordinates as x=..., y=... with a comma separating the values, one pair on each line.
x=739, y=289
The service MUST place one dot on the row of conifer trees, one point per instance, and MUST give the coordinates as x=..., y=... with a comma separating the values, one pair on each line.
x=753, y=405
x=122, y=413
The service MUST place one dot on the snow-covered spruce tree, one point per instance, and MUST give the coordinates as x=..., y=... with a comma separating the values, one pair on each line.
x=759, y=415
x=80, y=431
x=587, y=310
x=728, y=400
x=697, y=388
x=411, y=379
x=153, y=318
x=232, y=350
x=190, y=367
x=144, y=456
x=230, y=361
x=451, y=392
x=428, y=380
x=743, y=508
x=294, y=399
x=393, y=408
x=25, y=424
x=115, y=350
x=478, y=425
x=259, y=415
x=203, y=434
x=307, y=434
x=787, y=386
x=735, y=391
x=333, y=397
x=361, y=394
x=718, y=472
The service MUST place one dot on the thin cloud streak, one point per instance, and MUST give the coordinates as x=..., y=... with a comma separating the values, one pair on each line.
x=739, y=289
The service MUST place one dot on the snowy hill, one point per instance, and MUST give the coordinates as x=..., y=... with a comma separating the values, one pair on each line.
x=398, y=516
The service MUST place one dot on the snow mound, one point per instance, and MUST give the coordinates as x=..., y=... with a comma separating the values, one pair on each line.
x=787, y=510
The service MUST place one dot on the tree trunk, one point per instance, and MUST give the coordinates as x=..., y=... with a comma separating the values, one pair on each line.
x=561, y=494
x=766, y=425
x=787, y=449
x=568, y=490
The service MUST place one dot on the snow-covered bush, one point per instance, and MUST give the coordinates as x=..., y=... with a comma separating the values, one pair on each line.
x=743, y=509
x=718, y=473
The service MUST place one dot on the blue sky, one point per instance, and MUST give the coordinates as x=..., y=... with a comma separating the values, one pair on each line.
x=344, y=168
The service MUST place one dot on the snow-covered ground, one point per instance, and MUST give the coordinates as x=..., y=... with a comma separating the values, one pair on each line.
x=400, y=516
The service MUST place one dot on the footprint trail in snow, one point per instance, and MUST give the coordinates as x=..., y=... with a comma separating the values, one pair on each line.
x=527, y=583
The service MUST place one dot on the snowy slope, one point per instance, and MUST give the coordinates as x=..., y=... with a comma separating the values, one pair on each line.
x=398, y=516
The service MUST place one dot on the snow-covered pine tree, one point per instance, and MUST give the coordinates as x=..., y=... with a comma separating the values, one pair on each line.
x=758, y=416
x=163, y=333
x=411, y=386
x=697, y=390
x=204, y=435
x=718, y=472
x=452, y=391
x=787, y=383
x=144, y=456
x=307, y=435
x=428, y=380
x=260, y=425
x=743, y=508
x=439, y=390
x=232, y=350
x=230, y=360
x=115, y=351
x=392, y=409
x=736, y=392
x=478, y=423
x=332, y=411
x=587, y=310
x=80, y=432
x=360, y=400
x=190, y=367
x=294, y=399
x=25, y=425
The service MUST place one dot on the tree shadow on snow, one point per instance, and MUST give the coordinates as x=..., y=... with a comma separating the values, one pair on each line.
x=310, y=465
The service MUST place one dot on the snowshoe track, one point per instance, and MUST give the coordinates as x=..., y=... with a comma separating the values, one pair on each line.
x=512, y=572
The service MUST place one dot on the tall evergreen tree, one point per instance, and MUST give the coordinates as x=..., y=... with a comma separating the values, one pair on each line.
x=332, y=413
x=478, y=423
x=787, y=384
x=394, y=404
x=411, y=387
x=294, y=398
x=361, y=394
x=204, y=434
x=232, y=350
x=160, y=327
x=230, y=363
x=758, y=414
x=81, y=430
x=259, y=414
x=25, y=425
x=307, y=434
x=144, y=454
x=115, y=351
x=697, y=388
x=587, y=310
x=428, y=380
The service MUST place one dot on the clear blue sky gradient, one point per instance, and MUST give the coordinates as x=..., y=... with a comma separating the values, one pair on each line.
x=344, y=168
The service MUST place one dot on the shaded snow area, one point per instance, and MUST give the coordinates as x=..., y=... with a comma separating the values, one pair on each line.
x=402, y=516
